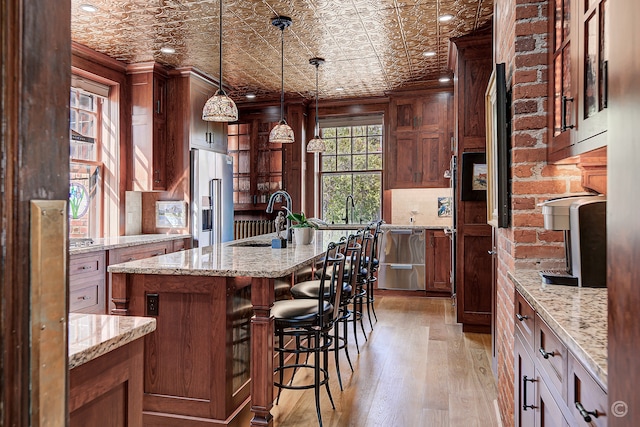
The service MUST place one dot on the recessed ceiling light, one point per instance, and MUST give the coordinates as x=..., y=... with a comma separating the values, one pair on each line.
x=339, y=89
x=88, y=8
x=444, y=79
x=250, y=95
x=167, y=49
x=445, y=18
x=430, y=53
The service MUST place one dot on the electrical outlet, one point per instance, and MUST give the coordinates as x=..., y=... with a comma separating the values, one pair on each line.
x=152, y=304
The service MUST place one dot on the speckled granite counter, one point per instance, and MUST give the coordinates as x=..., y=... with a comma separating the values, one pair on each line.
x=92, y=335
x=383, y=227
x=577, y=315
x=125, y=241
x=233, y=259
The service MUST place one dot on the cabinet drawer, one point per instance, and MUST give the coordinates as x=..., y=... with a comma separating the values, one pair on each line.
x=551, y=355
x=548, y=412
x=524, y=316
x=87, y=297
x=179, y=245
x=410, y=277
x=92, y=264
x=584, y=390
x=133, y=253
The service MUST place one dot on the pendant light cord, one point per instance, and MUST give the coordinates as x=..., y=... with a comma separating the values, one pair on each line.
x=221, y=90
x=282, y=74
x=317, y=125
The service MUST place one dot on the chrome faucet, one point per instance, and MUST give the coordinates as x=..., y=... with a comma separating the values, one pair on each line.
x=277, y=197
x=346, y=208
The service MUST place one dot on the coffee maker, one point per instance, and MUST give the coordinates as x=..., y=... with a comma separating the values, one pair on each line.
x=583, y=220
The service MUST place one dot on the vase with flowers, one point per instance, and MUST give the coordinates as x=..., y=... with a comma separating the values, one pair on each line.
x=303, y=230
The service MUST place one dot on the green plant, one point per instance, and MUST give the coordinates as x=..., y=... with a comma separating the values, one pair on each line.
x=299, y=220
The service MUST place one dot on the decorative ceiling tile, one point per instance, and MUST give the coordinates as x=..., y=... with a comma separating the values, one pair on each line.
x=370, y=46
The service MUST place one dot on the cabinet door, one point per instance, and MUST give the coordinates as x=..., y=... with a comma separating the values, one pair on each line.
x=593, y=57
x=204, y=134
x=159, y=133
x=586, y=395
x=548, y=413
x=438, y=261
x=420, y=149
x=525, y=385
x=562, y=97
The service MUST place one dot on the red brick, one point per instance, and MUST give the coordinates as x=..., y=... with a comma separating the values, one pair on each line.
x=527, y=28
x=523, y=203
x=576, y=187
x=524, y=236
x=525, y=76
x=550, y=236
x=525, y=44
x=539, y=187
x=527, y=11
x=540, y=251
x=524, y=122
x=531, y=60
x=526, y=106
x=523, y=171
x=524, y=139
x=537, y=90
x=560, y=170
x=523, y=155
x=527, y=220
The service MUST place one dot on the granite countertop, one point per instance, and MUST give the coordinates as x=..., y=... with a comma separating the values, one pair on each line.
x=92, y=335
x=232, y=259
x=384, y=227
x=125, y=241
x=577, y=315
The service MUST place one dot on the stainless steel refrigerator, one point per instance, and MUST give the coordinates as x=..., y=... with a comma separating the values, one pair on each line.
x=211, y=197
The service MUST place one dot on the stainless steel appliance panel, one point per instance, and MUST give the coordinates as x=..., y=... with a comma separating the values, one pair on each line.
x=402, y=276
x=211, y=197
x=403, y=246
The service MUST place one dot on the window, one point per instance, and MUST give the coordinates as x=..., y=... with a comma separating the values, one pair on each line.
x=352, y=165
x=85, y=183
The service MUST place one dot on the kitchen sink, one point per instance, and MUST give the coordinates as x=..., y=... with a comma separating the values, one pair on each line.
x=251, y=244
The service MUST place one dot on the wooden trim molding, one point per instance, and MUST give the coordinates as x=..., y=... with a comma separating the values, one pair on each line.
x=593, y=166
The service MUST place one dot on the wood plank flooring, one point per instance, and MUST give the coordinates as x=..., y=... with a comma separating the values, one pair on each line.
x=416, y=369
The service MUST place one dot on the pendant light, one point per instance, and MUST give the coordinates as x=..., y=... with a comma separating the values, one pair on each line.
x=220, y=108
x=282, y=132
x=316, y=145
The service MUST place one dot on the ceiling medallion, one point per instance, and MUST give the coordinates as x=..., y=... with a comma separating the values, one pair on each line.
x=220, y=108
x=316, y=145
x=282, y=132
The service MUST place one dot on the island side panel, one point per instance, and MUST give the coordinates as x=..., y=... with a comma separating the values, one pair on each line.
x=186, y=358
x=262, y=329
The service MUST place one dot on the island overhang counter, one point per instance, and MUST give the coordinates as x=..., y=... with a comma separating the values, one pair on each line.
x=204, y=299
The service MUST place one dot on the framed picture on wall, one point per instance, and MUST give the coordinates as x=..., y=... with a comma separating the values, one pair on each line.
x=171, y=214
x=474, y=177
x=497, y=125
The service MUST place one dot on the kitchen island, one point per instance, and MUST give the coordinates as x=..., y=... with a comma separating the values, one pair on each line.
x=202, y=365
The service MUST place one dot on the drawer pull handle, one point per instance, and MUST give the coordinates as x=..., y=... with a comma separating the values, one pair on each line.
x=85, y=267
x=586, y=415
x=131, y=259
x=524, y=393
x=84, y=298
x=521, y=317
x=158, y=253
x=546, y=354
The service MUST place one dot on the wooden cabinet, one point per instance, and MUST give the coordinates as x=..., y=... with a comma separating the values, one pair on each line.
x=420, y=141
x=204, y=134
x=438, y=261
x=257, y=164
x=148, y=85
x=579, y=56
x=87, y=283
x=552, y=387
x=107, y=391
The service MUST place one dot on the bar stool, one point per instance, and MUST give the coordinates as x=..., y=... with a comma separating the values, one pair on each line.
x=311, y=288
x=372, y=267
x=309, y=322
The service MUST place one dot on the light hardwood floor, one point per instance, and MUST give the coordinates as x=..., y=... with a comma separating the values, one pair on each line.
x=417, y=369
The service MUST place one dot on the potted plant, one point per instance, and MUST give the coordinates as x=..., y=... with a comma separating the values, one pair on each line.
x=302, y=228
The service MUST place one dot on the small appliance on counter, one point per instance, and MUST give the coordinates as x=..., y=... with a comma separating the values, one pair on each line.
x=583, y=220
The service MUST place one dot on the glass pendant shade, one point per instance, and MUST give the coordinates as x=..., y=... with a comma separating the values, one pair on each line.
x=281, y=133
x=220, y=108
x=316, y=145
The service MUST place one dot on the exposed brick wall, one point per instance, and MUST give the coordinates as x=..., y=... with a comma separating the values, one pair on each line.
x=520, y=41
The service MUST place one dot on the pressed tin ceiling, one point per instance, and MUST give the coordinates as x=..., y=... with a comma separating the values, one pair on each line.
x=370, y=46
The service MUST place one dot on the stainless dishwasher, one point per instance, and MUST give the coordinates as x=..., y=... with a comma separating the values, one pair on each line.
x=402, y=260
